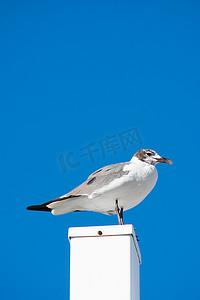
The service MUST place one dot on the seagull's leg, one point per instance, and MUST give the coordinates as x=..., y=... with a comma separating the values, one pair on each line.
x=117, y=211
x=121, y=216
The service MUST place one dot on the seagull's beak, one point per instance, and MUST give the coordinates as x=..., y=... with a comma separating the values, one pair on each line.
x=164, y=160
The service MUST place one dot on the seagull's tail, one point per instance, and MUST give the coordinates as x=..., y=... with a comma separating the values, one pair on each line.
x=59, y=206
x=47, y=206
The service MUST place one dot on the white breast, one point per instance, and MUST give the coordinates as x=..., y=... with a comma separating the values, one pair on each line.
x=130, y=189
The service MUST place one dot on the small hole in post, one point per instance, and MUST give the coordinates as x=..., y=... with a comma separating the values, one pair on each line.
x=99, y=232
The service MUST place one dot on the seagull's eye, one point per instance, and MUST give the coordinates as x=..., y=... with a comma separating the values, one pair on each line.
x=149, y=153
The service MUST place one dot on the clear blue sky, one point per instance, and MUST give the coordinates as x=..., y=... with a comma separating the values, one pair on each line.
x=72, y=74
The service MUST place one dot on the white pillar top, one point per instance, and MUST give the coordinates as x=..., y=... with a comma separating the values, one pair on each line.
x=100, y=231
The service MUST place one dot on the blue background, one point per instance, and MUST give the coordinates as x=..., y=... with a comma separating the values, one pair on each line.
x=73, y=73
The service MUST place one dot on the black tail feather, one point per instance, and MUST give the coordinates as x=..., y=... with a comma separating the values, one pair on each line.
x=41, y=207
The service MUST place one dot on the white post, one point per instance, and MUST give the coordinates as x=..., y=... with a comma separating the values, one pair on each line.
x=104, y=263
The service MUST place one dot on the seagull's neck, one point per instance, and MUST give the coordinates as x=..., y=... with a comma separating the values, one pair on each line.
x=139, y=169
x=139, y=162
x=136, y=160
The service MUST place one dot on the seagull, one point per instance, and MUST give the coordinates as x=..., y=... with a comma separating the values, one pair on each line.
x=111, y=189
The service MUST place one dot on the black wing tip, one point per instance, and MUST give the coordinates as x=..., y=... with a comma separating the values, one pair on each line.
x=41, y=207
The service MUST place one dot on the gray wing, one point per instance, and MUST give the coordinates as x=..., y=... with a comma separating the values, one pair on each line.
x=98, y=179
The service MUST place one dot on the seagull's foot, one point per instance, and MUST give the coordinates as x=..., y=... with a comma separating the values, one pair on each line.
x=119, y=213
x=136, y=234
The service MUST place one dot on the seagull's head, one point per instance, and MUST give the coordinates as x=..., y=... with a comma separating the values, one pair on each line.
x=151, y=157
